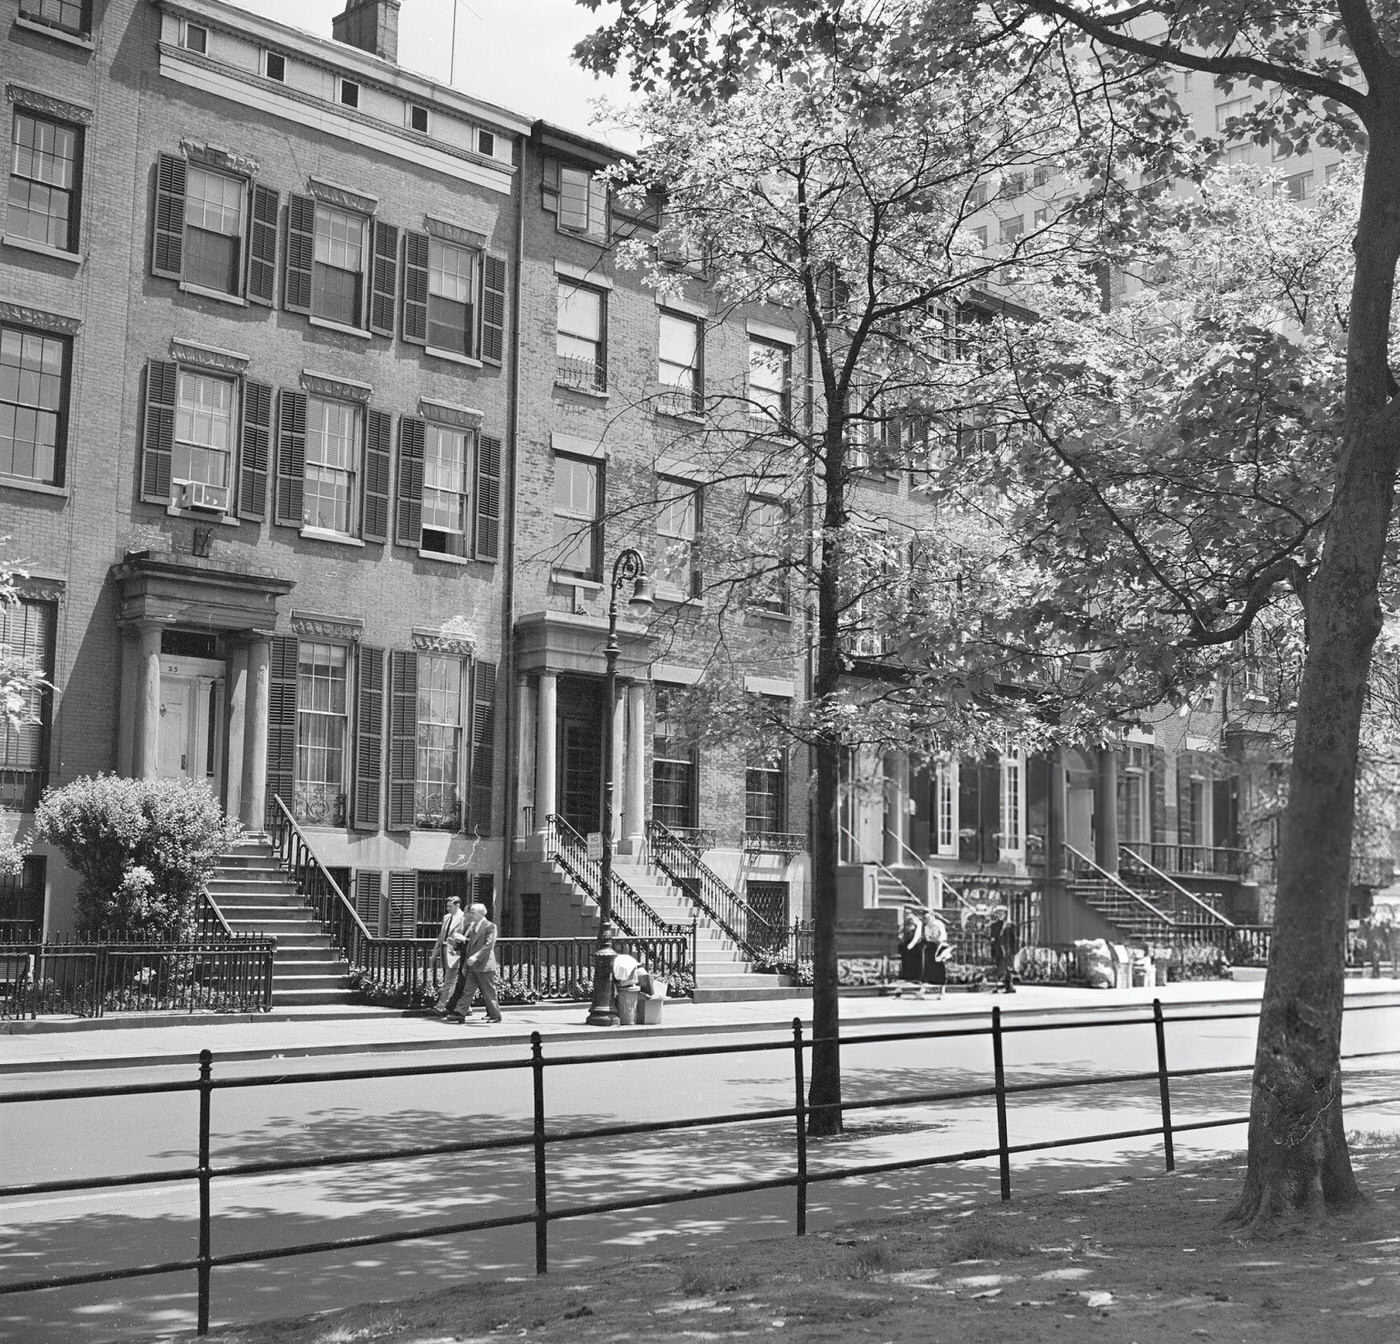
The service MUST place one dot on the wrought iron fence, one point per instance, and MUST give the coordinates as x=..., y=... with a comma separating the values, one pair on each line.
x=798, y=1174
x=90, y=977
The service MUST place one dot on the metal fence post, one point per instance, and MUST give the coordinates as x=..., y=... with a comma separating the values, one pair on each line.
x=800, y=1114
x=541, y=1186
x=999, y=1065
x=1164, y=1083
x=206, y=1089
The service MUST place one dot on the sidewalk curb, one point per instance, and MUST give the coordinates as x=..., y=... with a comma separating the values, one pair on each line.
x=669, y=1029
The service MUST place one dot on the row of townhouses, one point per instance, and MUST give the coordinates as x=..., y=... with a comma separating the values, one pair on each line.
x=324, y=414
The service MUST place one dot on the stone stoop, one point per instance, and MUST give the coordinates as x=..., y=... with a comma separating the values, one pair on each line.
x=721, y=973
x=256, y=897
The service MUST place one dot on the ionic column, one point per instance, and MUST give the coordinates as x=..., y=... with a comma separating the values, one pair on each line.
x=146, y=743
x=524, y=756
x=1106, y=811
x=127, y=700
x=253, y=811
x=618, y=709
x=634, y=798
x=235, y=725
x=546, y=748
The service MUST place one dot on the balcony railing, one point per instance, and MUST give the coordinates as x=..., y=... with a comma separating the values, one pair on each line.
x=787, y=843
x=1195, y=860
x=588, y=375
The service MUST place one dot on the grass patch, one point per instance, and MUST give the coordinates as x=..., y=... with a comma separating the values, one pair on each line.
x=982, y=1243
x=872, y=1258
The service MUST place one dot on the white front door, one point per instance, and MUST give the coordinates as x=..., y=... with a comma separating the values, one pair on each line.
x=191, y=719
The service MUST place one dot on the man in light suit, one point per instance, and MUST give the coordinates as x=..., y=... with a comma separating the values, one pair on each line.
x=447, y=954
x=478, y=971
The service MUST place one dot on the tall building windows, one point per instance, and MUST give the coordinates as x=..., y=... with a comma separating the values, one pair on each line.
x=578, y=502
x=445, y=493
x=674, y=767
x=338, y=266
x=322, y=702
x=452, y=274
x=582, y=201
x=581, y=344
x=1133, y=794
x=765, y=791
x=26, y=631
x=213, y=230
x=437, y=803
x=33, y=404
x=677, y=528
x=45, y=176
x=333, y=445
x=679, y=364
x=70, y=16
x=770, y=381
x=203, y=446
x=766, y=525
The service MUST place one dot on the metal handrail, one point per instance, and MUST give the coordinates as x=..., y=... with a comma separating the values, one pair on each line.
x=1175, y=885
x=210, y=914
x=681, y=863
x=1122, y=886
x=630, y=912
x=338, y=916
x=914, y=898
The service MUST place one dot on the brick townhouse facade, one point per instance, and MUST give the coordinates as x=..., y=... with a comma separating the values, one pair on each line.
x=325, y=412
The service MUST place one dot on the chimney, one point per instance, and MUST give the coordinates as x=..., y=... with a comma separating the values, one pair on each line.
x=371, y=25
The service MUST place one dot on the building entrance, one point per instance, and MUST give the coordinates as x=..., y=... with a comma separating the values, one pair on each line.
x=190, y=742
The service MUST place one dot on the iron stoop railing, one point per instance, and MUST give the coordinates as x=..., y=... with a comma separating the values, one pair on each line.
x=754, y=935
x=566, y=847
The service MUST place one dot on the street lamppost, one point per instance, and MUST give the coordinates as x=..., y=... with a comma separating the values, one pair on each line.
x=628, y=567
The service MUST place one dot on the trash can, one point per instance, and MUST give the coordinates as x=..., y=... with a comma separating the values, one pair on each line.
x=1144, y=973
x=651, y=1008
x=627, y=996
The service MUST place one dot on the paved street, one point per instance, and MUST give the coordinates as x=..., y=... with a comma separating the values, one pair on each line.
x=54, y=1234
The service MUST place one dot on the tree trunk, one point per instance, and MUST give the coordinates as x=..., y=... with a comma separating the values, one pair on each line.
x=1298, y=1158
x=825, y=1090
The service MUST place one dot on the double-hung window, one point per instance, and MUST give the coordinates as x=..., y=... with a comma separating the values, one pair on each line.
x=338, y=266
x=580, y=201
x=674, y=766
x=33, y=404
x=765, y=789
x=214, y=232
x=770, y=381
x=766, y=526
x=578, y=502
x=437, y=799
x=679, y=364
x=46, y=171
x=322, y=726
x=678, y=518
x=26, y=632
x=204, y=429
x=581, y=342
x=445, y=489
x=68, y=16
x=454, y=293
x=334, y=444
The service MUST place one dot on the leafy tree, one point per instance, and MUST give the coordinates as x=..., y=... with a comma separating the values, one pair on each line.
x=859, y=229
x=21, y=685
x=143, y=849
x=1327, y=74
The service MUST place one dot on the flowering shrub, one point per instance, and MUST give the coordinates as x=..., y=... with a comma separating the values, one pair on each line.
x=383, y=994
x=143, y=849
x=680, y=985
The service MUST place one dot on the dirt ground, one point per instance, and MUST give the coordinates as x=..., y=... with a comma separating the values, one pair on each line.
x=1130, y=1261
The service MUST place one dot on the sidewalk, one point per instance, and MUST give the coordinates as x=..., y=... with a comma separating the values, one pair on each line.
x=114, y=1042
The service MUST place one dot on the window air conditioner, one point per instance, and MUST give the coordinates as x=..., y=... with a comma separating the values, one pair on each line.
x=202, y=498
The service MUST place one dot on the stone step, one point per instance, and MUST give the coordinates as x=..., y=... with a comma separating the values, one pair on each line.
x=249, y=911
x=704, y=994
x=311, y=997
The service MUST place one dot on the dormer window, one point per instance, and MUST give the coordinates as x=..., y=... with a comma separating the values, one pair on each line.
x=349, y=93
x=275, y=66
x=195, y=38
x=418, y=118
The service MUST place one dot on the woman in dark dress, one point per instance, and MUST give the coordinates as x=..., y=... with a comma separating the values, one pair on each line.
x=911, y=950
x=937, y=950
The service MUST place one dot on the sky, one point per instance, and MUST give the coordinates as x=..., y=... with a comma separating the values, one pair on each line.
x=514, y=53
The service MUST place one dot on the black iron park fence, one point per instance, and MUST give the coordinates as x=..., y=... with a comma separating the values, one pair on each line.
x=89, y=977
x=551, y=1205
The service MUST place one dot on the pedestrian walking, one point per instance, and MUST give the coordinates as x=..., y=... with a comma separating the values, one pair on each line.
x=478, y=970
x=446, y=960
x=911, y=952
x=937, y=952
x=1006, y=942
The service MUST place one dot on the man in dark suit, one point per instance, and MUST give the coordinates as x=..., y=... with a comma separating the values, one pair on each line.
x=1006, y=941
x=478, y=970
